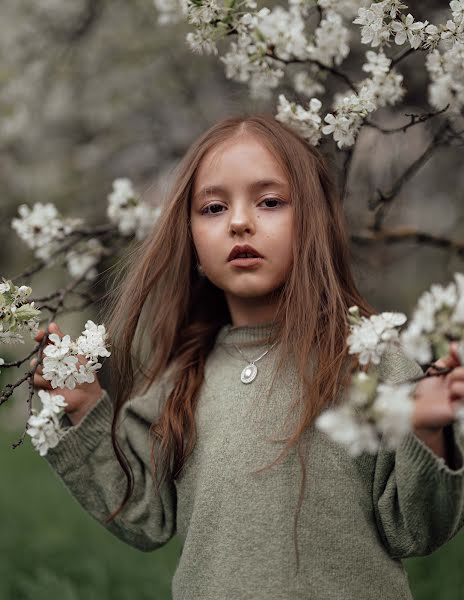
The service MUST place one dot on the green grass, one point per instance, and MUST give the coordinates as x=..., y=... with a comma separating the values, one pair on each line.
x=50, y=548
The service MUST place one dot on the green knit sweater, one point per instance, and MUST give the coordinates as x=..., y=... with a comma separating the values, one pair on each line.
x=359, y=517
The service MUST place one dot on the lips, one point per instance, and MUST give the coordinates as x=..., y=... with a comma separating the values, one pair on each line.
x=245, y=249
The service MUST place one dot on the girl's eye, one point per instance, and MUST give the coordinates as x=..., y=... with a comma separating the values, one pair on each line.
x=212, y=207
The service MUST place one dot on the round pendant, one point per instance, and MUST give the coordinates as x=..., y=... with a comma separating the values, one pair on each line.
x=249, y=373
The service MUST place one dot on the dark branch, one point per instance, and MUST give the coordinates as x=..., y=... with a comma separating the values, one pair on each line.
x=335, y=72
x=414, y=120
x=383, y=199
x=406, y=234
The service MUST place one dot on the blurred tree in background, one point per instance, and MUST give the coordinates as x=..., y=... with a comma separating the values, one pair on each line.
x=91, y=91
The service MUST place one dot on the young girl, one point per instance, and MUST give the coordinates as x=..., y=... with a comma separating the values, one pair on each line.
x=228, y=337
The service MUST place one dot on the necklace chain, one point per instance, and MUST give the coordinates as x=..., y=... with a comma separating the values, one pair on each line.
x=251, y=370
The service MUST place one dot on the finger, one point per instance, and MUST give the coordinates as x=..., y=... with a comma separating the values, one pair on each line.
x=53, y=328
x=40, y=382
x=452, y=359
x=457, y=389
x=455, y=375
x=39, y=369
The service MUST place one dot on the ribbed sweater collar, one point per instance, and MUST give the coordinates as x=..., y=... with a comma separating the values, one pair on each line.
x=229, y=334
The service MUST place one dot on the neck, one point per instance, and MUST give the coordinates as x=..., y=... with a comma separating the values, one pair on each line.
x=252, y=311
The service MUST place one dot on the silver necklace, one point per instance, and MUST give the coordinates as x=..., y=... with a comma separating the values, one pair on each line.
x=251, y=370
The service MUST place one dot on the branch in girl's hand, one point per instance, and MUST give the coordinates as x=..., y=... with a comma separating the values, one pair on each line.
x=67, y=242
x=375, y=410
x=61, y=366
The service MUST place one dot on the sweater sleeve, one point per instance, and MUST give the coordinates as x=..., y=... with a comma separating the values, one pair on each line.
x=418, y=500
x=84, y=460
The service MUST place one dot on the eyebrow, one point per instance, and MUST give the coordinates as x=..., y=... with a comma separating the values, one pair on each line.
x=256, y=185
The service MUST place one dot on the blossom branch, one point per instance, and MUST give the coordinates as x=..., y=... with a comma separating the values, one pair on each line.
x=383, y=199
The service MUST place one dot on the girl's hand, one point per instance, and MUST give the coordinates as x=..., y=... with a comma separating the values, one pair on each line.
x=82, y=398
x=437, y=398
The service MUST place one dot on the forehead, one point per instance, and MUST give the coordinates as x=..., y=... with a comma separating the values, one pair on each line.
x=240, y=159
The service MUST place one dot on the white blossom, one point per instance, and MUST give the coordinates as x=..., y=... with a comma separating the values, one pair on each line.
x=371, y=337
x=42, y=228
x=457, y=6
x=342, y=426
x=307, y=85
x=350, y=111
x=408, y=29
x=128, y=212
x=61, y=364
x=446, y=77
x=306, y=122
x=61, y=372
x=52, y=403
x=43, y=431
x=330, y=41
x=393, y=408
x=373, y=29
x=80, y=260
x=458, y=314
x=92, y=342
x=416, y=344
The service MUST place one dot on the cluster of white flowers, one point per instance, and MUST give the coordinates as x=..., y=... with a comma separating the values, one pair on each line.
x=331, y=40
x=438, y=316
x=248, y=60
x=346, y=120
x=374, y=410
x=305, y=83
x=306, y=122
x=212, y=21
x=43, y=228
x=382, y=19
x=447, y=78
x=371, y=337
x=385, y=85
x=16, y=314
x=44, y=426
x=128, y=212
x=268, y=38
x=84, y=258
x=61, y=363
x=60, y=367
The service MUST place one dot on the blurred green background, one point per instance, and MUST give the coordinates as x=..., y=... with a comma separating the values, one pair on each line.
x=93, y=90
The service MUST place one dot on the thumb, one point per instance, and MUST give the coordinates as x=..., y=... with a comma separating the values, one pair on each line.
x=53, y=328
x=452, y=359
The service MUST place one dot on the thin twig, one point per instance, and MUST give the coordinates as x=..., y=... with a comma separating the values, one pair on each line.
x=414, y=120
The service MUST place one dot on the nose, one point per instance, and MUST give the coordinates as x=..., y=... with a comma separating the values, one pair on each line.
x=241, y=220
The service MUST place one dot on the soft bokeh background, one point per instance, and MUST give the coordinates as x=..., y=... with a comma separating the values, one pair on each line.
x=94, y=90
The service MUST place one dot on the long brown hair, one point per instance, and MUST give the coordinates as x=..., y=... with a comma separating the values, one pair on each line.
x=186, y=310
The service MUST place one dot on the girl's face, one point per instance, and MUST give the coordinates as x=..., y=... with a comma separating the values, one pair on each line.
x=242, y=196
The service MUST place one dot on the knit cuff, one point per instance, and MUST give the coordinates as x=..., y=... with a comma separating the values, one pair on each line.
x=80, y=440
x=422, y=458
